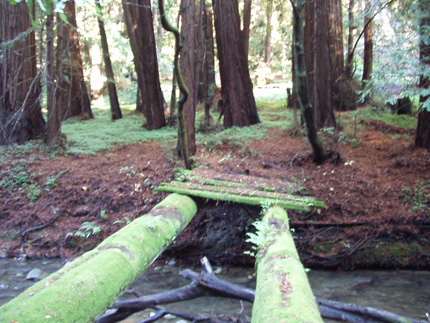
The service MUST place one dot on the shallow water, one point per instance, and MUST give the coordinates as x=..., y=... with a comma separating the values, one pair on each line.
x=402, y=292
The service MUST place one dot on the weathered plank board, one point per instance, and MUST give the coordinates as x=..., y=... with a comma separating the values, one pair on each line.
x=240, y=189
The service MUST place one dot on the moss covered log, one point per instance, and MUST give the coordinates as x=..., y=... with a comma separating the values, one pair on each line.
x=84, y=288
x=283, y=293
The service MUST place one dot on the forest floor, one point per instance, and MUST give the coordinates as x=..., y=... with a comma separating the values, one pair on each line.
x=376, y=186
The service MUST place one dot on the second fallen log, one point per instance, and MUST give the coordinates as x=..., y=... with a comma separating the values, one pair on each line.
x=283, y=293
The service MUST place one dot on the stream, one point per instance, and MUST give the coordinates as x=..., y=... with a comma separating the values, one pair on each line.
x=403, y=292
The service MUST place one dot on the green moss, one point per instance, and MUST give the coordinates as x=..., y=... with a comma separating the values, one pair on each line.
x=283, y=292
x=84, y=288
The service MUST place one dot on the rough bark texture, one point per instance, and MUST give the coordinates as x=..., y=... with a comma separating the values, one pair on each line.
x=84, y=288
x=283, y=293
x=209, y=68
x=247, y=5
x=72, y=94
x=350, y=55
x=322, y=87
x=187, y=64
x=302, y=83
x=139, y=23
x=422, y=137
x=54, y=120
x=335, y=33
x=268, y=40
x=368, y=45
x=20, y=112
x=239, y=106
x=113, y=95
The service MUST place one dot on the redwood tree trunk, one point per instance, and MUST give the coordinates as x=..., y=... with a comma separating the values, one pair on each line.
x=319, y=56
x=301, y=81
x=239, y=106
x=54, y=121
x=350, y=55
x=139, y=23
x=247, y=5
x=323, y=103
x=72, y=94
x=368, y=45
x=113, y=96
x=209, y=65
x=422, y=138
x=187, y=64
x=20, y=112
x=268, y=40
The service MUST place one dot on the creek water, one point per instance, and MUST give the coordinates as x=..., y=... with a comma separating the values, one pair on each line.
x=403, y=292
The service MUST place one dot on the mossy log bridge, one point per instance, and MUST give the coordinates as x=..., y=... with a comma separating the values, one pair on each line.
x=85, y=287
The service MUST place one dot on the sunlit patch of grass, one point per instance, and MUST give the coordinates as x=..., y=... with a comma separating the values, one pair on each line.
x=369, y=113
x=100, y=133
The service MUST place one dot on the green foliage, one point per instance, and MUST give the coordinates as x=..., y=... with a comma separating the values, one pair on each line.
x=384, y=115
x=99, y=134
x=418, y=196
x=86, y=230
x=51, y=181
x=17, y=176
x=126, y=220
x=33, y=192
x=260, y=238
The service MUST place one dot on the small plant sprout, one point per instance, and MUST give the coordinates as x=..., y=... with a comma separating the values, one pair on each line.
x=86, y=230
x=259, y=238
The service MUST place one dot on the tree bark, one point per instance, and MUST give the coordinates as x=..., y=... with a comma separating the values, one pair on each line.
x=239, y=106
x=209, y=66
x=283, y=292
x=187, y=64
x=20, y=111
x=422, y=137
x=84, y=288
x=54, y=121
x=139, y=23
x=322, y=87
x=268, y=39
x=368, y=45
x=247, y=6
x=182, y=138
x=301, y=81
x=335, y=33
x=72, y=94
x=350, y=54
x=113, y=95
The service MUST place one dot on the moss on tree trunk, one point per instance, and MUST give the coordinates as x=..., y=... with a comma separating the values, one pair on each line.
x=283, y=293
x=84, y=288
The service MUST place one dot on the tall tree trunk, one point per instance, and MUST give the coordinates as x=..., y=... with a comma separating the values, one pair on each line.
x=301, y=81
x=268, y=39
x=322, y=92
x=20, y=112
x=72, y=94
x=335, y=32
x=368, y=44
x=187, y=64
x=247, y=6
x=209, y=66
x=309, y=45
x=350, y=55
x=422, y=137
x=113, y=95
x=239, y=106
x=54, y=121
x=139, y=23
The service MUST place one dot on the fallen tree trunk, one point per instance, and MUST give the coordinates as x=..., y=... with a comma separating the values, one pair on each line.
x=84, y=288
x=283, y=293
